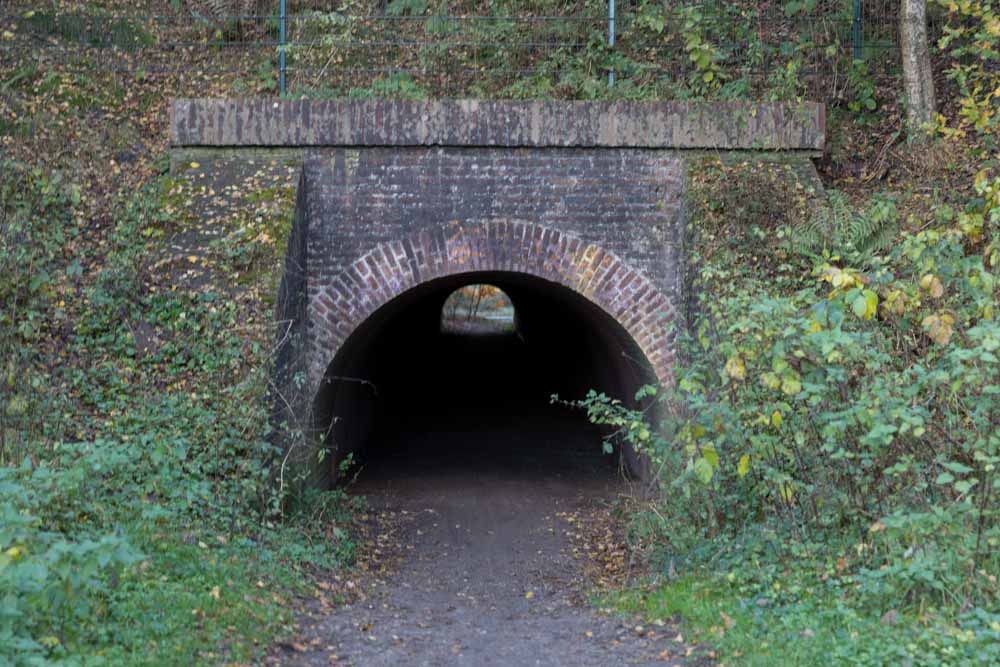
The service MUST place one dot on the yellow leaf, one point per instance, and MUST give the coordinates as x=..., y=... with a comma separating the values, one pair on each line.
x=195, y=165
x=776, y=419
x=939, y=327
x=712, y=456
x=933, y=285
x=529, y=595
x=216, y=592
x=771, y=381
x=871, y=303
x=743, y=467
x=735, y=368
x=895, y=303
x=790, y=383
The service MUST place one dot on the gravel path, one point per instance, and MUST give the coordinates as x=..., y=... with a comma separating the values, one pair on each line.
x=484, y=522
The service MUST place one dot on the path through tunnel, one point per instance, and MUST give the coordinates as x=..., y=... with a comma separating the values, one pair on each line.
x=410, y=396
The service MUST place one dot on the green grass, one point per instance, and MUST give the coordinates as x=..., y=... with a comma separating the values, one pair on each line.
x=204, y=605
x=819, y=624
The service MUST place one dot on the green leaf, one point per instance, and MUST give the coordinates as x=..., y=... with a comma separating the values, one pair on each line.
x=957, y=467
x=712, y=456
x=703, y=470
x=859, y=306
x=945, y=478
x=965, y=485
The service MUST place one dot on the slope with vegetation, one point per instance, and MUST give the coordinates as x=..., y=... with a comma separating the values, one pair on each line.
x=141, y=521
x=828, y=462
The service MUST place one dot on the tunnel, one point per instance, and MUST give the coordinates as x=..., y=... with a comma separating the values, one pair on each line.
x=409, y=392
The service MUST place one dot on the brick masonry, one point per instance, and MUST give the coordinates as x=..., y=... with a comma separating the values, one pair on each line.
x=603, y=222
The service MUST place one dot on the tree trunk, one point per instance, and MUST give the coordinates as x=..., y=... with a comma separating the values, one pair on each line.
x=918, y=81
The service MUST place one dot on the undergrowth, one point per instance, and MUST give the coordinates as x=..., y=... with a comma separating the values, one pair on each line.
x=828, y=455
x=138, y=516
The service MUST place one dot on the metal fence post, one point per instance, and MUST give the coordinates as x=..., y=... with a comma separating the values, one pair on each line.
x=856, y=37
x=282, y=39
x=611, y=39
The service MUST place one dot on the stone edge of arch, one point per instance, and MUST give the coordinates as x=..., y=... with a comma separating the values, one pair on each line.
x=389, y=269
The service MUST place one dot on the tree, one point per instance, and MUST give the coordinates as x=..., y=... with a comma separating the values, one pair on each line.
x=918, y=79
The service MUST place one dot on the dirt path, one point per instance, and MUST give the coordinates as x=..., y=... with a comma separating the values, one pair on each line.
x=486, y=574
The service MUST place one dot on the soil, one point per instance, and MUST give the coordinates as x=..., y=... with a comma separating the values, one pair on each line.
x=485, y=519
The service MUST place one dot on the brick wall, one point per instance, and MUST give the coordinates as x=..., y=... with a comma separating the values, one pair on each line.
x=604, y=222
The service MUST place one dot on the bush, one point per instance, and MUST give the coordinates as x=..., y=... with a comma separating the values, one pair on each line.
x=54, y=585
x=836, y=412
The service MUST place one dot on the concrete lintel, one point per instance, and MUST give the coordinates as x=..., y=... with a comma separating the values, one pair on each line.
x=238, y=123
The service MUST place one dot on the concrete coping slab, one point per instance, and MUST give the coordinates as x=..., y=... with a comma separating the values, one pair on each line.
x=234, y=123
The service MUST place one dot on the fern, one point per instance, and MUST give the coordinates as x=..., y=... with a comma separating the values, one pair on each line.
x=243, y=17
x=837, y=228
x=403, y=7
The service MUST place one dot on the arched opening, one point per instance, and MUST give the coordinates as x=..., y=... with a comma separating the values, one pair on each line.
x=406, y=394
x=478, y=309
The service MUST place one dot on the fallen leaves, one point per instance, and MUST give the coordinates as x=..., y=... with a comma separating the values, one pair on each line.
x=598, y=540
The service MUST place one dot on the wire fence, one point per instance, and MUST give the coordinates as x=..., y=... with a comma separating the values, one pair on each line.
x=470, y=48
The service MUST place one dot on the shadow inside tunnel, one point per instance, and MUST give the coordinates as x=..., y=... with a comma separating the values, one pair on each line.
x=435, y=401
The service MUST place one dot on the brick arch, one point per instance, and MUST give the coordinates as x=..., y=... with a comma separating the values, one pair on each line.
x=390, y=269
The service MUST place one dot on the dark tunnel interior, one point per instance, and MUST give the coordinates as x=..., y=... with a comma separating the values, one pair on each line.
x=404, y=393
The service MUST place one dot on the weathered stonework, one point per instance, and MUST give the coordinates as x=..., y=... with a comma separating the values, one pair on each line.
x=677, y=125
x=396, y=195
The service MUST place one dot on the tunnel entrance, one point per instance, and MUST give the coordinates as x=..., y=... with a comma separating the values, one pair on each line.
x=457, y=375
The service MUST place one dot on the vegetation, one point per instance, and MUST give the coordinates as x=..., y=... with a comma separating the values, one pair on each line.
x=664, y=50
x=478, y=308
x=135, y=493
x=829, y=453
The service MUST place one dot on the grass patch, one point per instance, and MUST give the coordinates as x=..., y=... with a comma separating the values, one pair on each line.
x=817, y=625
